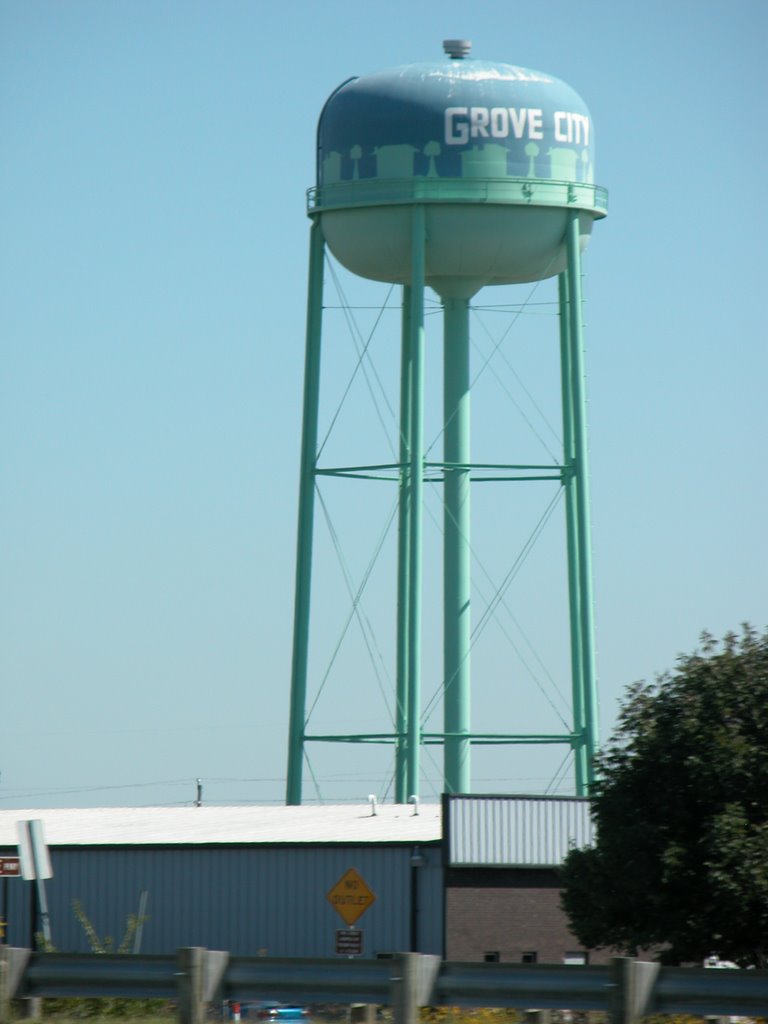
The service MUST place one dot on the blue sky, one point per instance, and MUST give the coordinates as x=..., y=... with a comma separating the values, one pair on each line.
x=153, y=262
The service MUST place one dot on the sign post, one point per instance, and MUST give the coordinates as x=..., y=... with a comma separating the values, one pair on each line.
x=350, y=898
x=36, y=866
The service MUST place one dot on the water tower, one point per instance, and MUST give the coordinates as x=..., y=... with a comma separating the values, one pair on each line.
x=452, y=174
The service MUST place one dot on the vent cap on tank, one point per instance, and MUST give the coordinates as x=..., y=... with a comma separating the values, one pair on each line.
x=457, y=49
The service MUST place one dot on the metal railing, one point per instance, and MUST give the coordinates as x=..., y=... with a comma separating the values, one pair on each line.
x=626, y=990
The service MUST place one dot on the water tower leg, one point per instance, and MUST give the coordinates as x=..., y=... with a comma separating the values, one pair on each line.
x=306, y=517
x=415, y=491
x=456, y=547
x=589, y=675
x=571, y=532
x=403, y=561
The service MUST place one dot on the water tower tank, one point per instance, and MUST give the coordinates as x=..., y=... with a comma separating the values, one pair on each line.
x=456, y=173
x=498, y=155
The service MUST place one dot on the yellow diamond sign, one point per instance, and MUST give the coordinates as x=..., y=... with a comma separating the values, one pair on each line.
x=350, y=897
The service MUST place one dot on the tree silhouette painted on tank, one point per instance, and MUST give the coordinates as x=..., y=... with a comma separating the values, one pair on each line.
x=680, y=863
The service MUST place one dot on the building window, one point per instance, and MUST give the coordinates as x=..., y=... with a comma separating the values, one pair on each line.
x=491, y=957
x=531, y=957
x=577, y=959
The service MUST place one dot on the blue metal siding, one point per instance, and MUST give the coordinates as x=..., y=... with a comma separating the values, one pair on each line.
x=243, y=899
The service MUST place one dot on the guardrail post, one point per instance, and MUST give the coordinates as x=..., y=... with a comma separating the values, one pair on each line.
x=362, y=1013
x=412, y=984
x=13, y=963
x=642, y=979
x=190, y=964
x=5, y=986
x=617, y=1012
x=215, y=963
x=633, y=982
x=404, y=988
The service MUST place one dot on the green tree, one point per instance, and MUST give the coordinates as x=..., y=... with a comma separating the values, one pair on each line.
x=680, y=861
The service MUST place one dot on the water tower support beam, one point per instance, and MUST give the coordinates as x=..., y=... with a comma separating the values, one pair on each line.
x=571, y=531
x=415, y=492
x=456, y=546
x=303, y=584
x=575, y=323
x=403, y=561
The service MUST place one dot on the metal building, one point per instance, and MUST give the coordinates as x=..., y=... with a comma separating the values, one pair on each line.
x=246, y=879
x=474, y=878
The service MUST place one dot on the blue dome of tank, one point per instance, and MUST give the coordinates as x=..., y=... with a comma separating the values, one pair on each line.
x=500, y=157
x=455, y=118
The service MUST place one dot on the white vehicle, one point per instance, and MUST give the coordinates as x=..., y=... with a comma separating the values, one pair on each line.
x=715, y=961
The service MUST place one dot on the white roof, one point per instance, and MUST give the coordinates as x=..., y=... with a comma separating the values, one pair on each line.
x=337, y=823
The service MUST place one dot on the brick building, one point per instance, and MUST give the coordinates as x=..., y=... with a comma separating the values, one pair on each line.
x=502, y=894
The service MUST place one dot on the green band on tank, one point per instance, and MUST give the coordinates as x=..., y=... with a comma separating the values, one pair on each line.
x=505, y=191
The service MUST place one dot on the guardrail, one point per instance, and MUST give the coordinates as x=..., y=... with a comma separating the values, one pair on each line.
x=545, y=986
x=626, y=990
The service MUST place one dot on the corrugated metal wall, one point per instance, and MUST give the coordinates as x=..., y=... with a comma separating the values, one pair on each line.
x=243, y=899
x=501, y=831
